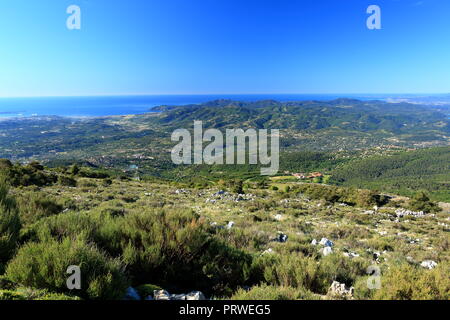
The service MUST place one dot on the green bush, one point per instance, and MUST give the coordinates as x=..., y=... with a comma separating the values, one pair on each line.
x=34, y=206
x=298, y=271
x=43, y=265
x=32, y=174
x=294, y=270
x=6, y=284
x=70, y=224
x=11, y=295
x=336, y=267
x=36, y=294
x=9, y=224
x=266, y=292
x=406, y=282
x=421, y=202
x=175, y=248
x=67, y=181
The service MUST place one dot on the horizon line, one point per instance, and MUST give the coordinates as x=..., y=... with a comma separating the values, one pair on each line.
x=216, y=94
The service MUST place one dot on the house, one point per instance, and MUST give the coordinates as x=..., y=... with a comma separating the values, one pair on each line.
x=313, y=175
x=299, y=175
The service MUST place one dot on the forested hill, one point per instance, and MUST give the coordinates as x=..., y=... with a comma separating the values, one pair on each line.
x=404, y=172
x=347, y=114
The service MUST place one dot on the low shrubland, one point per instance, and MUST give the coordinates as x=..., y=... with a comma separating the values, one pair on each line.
x=157, y=235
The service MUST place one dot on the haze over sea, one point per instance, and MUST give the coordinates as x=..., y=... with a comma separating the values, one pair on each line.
x=123, y=105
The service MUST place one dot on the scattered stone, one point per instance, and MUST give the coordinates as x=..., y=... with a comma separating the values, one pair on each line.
x=403, y=212
x=161, y=295
x=351, y=254
x=230, y=225
x=429, y=264
x=278, y=217
x=325, y=242
x=327, y=250
x=281, y=237
x=164, y=295
x=195, y=295
x=339, y=290
x=314, y=242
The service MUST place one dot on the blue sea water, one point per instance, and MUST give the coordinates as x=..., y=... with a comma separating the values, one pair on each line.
x=123, y=105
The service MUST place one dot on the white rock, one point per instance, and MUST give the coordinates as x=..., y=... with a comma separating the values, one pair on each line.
x=429, y=264
x=230, y=225
x=270, y=250
x=340, y=290
x=327, y=250
x=325, y=242
x=161, y=295
x=278, y=217
x=195, y=295
x=314, y=242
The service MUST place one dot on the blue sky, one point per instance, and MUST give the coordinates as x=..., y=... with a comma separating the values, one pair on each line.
x=223, y=46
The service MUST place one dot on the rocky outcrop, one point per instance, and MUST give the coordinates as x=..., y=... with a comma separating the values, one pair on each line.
x=403, y=212
x=164, y=295
x=340, y=291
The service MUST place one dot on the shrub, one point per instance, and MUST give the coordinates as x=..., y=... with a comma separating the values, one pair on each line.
x=43, y=265
x=421, y=202
x=173, y=248
x=107, y=182
x=298, y=271
x=236, y=186
x=176, y=249
x=67, y=181
x=32, y=174
x=34, y=206
x=87, y=184
x=70, y=224
x=11, y=295
x=336, y=267
x=406, y=282
x=6, y=284
x=9, y=224
x=266, y=292
x=293, y=270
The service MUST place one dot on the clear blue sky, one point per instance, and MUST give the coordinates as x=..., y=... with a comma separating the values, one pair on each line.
x=223, y=46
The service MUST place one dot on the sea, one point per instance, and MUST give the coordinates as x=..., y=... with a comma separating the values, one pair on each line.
x=98, y=106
